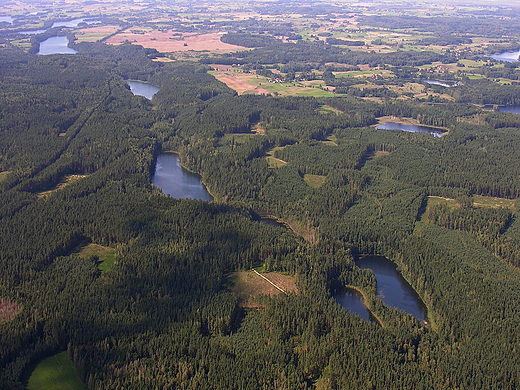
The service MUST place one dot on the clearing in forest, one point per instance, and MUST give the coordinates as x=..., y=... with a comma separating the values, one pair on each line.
x=68, y=179
x=56, y=372
x=106, y=256
x=315, y=181
x=8, y=310
x=248, y=285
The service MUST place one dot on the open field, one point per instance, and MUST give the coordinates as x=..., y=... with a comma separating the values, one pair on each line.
x=249, y=285
x=315, y=181
x=170, y=41
x=106, y=256
x=3, y=175
x=272, y=161
x=55, y=373
x=94, y=34
x=478, y=201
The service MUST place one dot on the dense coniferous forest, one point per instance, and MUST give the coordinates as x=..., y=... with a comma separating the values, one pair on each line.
x=164, y=315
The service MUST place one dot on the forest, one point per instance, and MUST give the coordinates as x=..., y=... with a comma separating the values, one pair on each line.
x=163, y=314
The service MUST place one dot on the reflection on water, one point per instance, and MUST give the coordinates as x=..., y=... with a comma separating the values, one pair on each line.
x=410, y=128
x=352, y=300
x=56, y=45
x=176, y=181
x=142, y=89
x=510, y=56
x=392, y=289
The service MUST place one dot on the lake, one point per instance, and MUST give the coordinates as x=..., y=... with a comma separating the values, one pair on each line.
x=511, y=109
x=176, y=181
x=441, y=83
x=6, y=19
x=410, y=128
x=56, y=45
x=510, y=56
x=352, y=300
x=141, y=88
x=73, y=23
x=32, y=32
x=392, y=288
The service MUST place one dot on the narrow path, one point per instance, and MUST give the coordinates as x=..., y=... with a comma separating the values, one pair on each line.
x=262, y=276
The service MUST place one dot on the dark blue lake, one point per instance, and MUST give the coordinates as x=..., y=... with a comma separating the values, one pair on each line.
x=410, y=128
x=352, y=300
x=392, y=288
x=142, y=89
x=176, y=181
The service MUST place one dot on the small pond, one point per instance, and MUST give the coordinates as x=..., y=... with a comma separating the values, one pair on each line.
x=176, y=181
x=392, y=289
x=510, y=56
x=352, y=300
x=56, y=45
x=410, y=128
x=142, y=89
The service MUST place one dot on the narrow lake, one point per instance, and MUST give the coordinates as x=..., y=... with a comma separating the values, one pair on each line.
x=510, y=56
x=410, y=128
x=441, y=83
x=176, y=181
x=511, y=109
x=56, y=45
x=142, y=89
x=392, y=289
x=6, y=19
x=352, y=300
x=73, y=23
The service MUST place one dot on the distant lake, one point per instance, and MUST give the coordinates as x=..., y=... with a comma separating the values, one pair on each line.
x=392, y=288
x=410, y=128
x=510, y=56
x=441, y=83
x=143, y=89
x=352, y=300
x=56, y=45
x=32, y=32
x=511, y=109
x=176, y=181
x=6, y=19
x=73, y=23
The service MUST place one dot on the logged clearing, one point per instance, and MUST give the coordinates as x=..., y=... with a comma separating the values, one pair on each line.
x=249, y=285
x=315, y=181
x=171, y=41
x=68, y=179
x=8, y=310
x=3, y=175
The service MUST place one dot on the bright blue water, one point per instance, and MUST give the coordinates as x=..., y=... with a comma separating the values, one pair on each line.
x=56, y=45
x=409, y=128
x=142, y=89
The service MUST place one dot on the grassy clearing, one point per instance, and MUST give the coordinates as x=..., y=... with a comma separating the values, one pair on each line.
x=326, y=109
x=315, y=181
x=8, y=310
x=68, y=179
x=487, y=201
x=106, y=256
x=3, y=175
x=55, y=373
x=272, y=161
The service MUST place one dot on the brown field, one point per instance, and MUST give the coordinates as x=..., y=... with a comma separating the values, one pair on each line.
x=8, y=310
x=168, y=42
x=239, y=81
x=249, y=285
x=94, y=250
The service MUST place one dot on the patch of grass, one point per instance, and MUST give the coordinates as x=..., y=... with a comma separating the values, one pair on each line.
x=54, y=373
x=272, y=161
x=487, y=201
x=325, y=109
x=106, y=256
x=315, y=181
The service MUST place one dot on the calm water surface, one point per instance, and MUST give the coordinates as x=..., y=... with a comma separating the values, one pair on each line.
x=143, y=89
x=56, y=45
x=441, y=83
x=352, y=300
x=73, y=23
x=410, y=128
x=510, y=56
x=392, y=289
x=6, y=19
x=176, y=181
x=512, y=109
